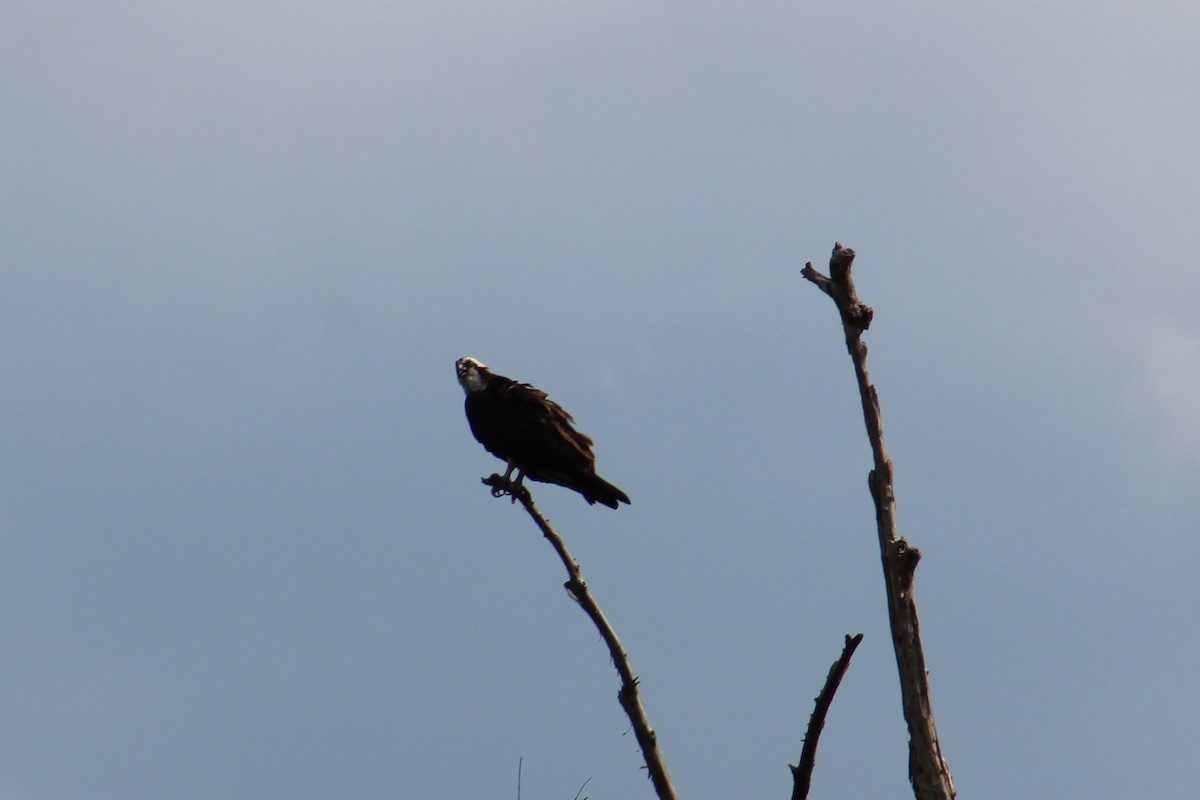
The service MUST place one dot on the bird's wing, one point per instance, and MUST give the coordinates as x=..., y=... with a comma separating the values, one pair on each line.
x=518, y=422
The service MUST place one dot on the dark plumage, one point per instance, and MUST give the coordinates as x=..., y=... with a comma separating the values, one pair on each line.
x=534, y=435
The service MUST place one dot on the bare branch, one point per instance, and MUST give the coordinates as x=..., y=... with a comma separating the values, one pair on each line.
x=927, y=770
x=802, y=772
x=628, y=696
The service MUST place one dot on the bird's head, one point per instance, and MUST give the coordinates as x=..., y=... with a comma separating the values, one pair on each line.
x=471, y=374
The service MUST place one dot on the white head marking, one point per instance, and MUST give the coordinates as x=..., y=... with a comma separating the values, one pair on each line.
x=469, y=374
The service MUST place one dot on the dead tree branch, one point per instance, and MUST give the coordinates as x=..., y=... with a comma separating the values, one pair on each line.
x=628, y=696
x=802, y=772
x=927, y=770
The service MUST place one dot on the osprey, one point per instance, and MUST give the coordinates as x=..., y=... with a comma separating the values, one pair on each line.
x=522, y=426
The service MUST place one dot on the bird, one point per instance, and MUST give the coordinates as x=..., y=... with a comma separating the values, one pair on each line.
x=522, y=426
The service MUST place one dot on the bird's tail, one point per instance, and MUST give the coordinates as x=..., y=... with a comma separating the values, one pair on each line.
x=601, y=491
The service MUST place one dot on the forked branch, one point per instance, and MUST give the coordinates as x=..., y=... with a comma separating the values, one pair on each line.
x=628, y=696
x=927, y=770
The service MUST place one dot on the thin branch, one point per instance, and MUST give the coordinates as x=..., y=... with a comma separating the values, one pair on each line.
x=927, y=770
x=628, y=696
x=802, y=772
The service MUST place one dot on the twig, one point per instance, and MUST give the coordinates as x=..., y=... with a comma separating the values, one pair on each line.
x=927, y=770
x=802, y=772
x=628, y=696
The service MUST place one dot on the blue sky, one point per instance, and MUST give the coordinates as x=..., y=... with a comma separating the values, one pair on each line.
x=246, y=553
